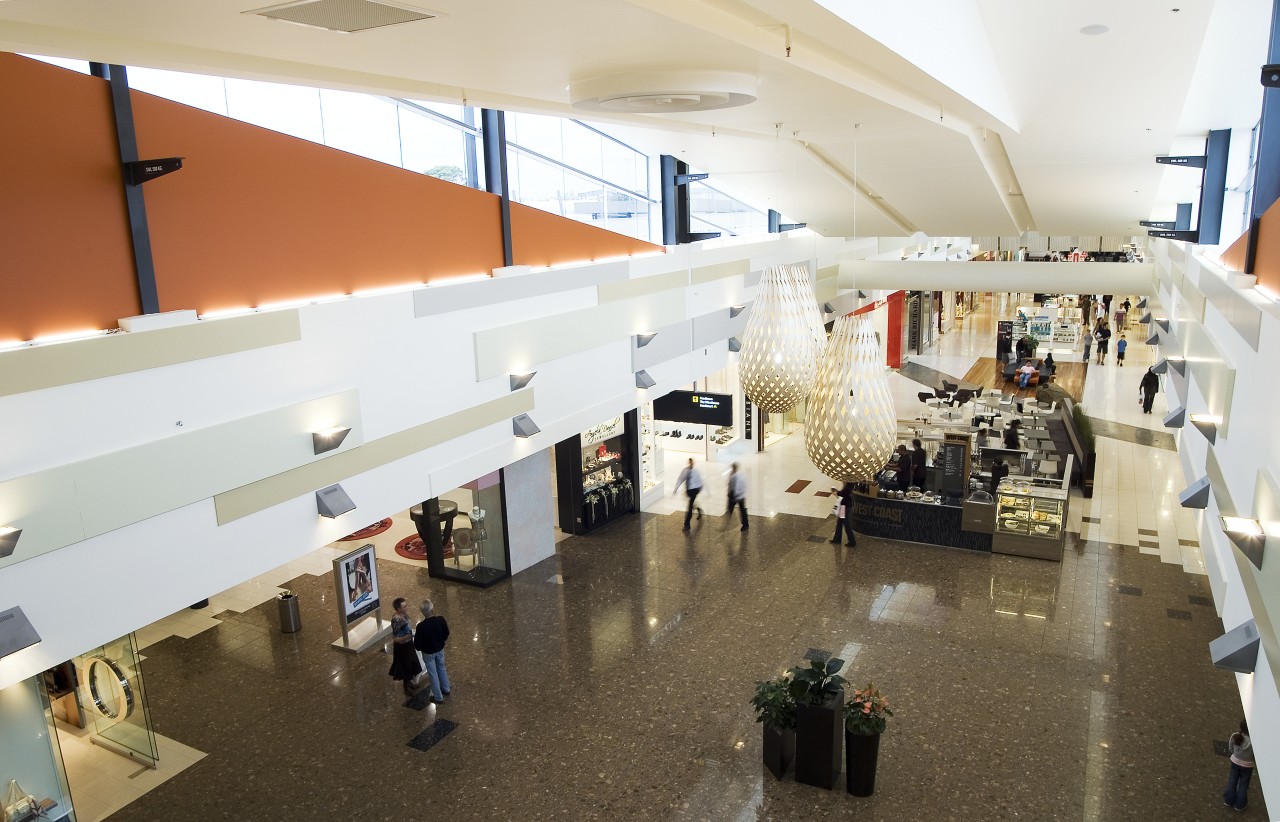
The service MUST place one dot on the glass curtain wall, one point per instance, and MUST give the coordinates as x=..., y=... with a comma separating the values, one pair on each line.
x=571, y=169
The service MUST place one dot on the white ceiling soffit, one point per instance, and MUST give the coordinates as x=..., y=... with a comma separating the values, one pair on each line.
x=953, y=48
x=346, y=16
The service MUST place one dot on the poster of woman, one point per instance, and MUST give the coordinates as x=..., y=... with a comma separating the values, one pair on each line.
x=358, y=580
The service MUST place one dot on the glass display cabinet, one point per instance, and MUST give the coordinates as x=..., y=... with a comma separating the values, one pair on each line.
x=1030, y=521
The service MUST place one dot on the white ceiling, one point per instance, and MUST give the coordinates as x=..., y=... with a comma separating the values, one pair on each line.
x=1081, y=117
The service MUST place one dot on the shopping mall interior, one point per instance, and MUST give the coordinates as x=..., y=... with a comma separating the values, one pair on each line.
x=367, y=324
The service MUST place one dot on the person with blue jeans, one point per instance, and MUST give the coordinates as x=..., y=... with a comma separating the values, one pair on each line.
x=1237, y=793
x=430, y=638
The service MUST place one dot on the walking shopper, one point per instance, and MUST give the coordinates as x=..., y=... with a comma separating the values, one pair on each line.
x=1088, y=344
x=1241, y=746
x=405, y=666
x=1121, y=345
x=1148, y=388
x=430, y=639
x=1102, y=335
x=737, y=495
x=844, y=515
x=691, y=479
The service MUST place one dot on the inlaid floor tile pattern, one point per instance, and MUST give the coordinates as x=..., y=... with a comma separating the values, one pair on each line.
x=622, y=694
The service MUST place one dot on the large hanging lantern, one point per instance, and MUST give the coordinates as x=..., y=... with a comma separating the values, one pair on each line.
x=850, y=428
x=809, y=305
x=779, y=352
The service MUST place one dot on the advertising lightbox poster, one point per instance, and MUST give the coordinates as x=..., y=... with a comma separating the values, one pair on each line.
x=358, y=582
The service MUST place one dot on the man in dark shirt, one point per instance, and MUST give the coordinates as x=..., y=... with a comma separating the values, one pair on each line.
x=918, y=463
x=998, y=472
x=430, y=638
x=903, y=468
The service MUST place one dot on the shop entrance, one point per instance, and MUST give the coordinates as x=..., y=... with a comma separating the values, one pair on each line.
x=465, y=532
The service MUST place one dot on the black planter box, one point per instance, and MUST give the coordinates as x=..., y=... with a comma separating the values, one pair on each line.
x=819, y=743
x=779, y=751
x=860, y=765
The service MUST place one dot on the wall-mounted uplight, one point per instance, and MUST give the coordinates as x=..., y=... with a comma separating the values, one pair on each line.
x=643, y=380
x=8, y=540
x=1154, y=338
x=1164, y=324
x=523, y=426
x=1176, y=418
x=1237, y=649
x=328, y=439
x=1146, y=318
x=16, y=632
x=828, y=308
x=1178, y=364
x=735, y=344
x=333, y=502
x=644, y=338
x=519, y=381
x=1247, y=535
x=1195, y=495
x=1206, y=424
x=735, y=310
x=1142, y=304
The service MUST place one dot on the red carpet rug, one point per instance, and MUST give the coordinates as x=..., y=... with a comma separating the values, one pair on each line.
x=412, y=548
x=365, y=533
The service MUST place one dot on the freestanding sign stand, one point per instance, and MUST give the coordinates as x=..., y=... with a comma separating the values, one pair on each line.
x=355, y=580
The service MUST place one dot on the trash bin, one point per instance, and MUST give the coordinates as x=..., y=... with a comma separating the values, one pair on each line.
x=290, y=621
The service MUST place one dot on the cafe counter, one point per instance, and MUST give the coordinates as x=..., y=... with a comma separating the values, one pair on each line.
x=952, y=526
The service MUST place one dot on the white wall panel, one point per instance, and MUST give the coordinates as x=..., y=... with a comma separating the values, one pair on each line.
x=407, y=365
x=671, y=341
x=530, y=523
x=523, y=346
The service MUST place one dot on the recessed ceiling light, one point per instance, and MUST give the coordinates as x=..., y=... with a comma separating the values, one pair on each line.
x=1096, y=28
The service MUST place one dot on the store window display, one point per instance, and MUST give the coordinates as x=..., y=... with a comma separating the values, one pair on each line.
x=596, y=474
x=466, y=534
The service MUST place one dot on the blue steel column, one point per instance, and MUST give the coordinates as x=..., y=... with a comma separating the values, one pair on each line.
x=126, y=138
x=494, y=130
x=1266, y=172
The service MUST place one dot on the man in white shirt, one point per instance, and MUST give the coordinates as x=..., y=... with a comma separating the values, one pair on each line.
x=737, y=495
x=691, y=479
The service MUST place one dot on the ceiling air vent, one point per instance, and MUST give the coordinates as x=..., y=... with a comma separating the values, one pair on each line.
x=344, y=15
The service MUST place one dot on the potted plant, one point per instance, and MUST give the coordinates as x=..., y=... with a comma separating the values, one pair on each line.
x=865, y=717
x=776, y=712
x=819, y=692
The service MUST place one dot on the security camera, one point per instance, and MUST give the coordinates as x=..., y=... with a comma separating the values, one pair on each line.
x=1271, y=75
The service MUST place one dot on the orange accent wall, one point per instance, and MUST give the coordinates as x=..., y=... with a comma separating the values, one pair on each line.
x=540, y=238
x=1267, y=265
x=1233, y=258
x=257, y=217
x=66, y=259
x=253, y=217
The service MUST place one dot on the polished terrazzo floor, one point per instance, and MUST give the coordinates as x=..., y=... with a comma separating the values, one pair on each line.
x=611, y=681
x=1025, y=689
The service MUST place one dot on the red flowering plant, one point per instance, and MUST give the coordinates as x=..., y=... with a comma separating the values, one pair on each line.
x=867, y=712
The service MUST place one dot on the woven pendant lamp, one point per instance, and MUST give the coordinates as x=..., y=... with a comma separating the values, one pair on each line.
x=850, y=428
x=779, y=352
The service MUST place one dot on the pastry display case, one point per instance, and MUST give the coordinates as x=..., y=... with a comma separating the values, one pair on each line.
x=1030, y=520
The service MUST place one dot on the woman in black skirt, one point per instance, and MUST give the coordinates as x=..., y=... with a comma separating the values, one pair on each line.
x=405, y=665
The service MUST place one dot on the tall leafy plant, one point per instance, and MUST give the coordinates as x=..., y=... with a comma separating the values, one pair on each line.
x=818, y=682
x=775, y=706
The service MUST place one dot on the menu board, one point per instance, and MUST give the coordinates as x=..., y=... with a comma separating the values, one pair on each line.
x=953, y=457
